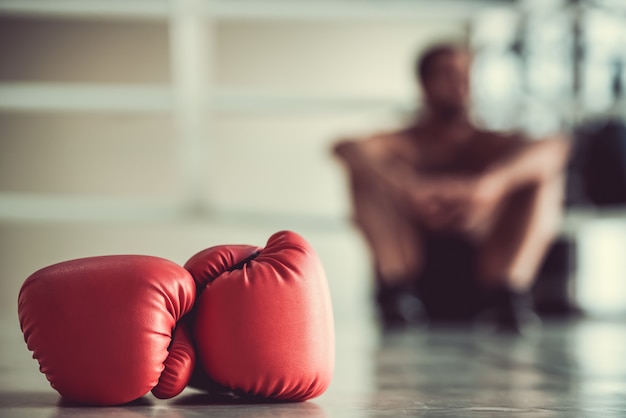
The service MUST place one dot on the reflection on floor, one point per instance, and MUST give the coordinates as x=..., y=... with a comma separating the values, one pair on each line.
x=574, y=369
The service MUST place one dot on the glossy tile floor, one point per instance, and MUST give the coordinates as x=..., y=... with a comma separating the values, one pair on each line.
x=575, y=369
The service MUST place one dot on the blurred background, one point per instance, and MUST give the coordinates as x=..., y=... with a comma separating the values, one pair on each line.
x=166, y=126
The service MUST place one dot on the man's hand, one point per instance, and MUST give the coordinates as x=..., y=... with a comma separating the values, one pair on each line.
x=437, y=201
x=454, y=203
x=483, y=196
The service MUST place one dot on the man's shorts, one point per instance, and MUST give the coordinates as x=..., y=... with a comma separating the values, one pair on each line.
x=449, y=286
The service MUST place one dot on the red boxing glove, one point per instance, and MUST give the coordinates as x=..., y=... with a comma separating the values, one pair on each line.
x=263, y=320
x=101, y=327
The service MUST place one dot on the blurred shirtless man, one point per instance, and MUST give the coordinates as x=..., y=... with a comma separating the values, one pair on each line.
x=456, y=217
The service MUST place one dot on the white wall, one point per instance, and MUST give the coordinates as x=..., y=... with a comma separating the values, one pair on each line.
x=263, y=161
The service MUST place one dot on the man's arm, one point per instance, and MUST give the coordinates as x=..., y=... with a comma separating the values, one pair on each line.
x=390, y=160
x=534, y=162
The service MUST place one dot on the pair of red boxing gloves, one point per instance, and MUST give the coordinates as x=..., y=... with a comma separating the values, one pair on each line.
x=107, y=330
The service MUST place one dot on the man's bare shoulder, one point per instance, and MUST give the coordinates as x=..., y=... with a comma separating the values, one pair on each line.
x=396, y=139
x=382, y=145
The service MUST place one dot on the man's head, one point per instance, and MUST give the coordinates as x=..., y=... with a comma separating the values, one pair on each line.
x=443, y=72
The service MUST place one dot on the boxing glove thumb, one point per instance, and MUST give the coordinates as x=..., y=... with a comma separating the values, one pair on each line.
x=179, y=364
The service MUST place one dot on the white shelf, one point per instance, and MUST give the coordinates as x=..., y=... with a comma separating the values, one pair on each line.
x=34, y=207
x=258, y=9
x=350, y=9
x=32, y=97
x=83, y=97
x=87, y=8
x=236, y=100
x=46, y=207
